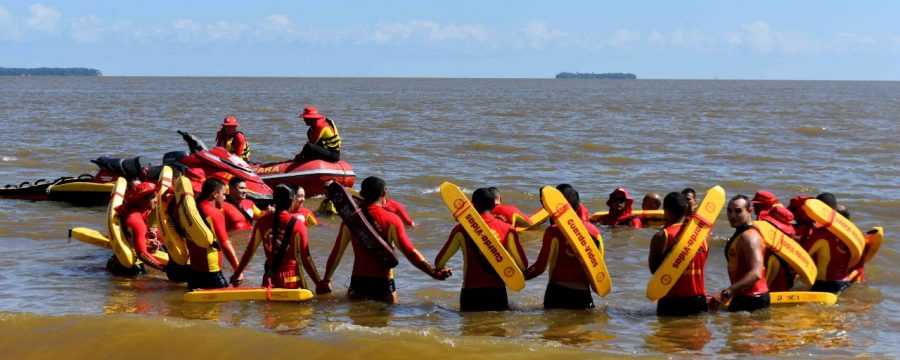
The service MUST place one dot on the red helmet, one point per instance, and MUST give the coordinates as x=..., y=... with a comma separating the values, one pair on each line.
x=230, y=120
x=310, y=112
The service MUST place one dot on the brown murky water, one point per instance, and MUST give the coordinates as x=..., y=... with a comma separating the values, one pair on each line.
x=788, y=137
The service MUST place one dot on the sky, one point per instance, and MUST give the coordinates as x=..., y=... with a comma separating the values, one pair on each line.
x=790, y=40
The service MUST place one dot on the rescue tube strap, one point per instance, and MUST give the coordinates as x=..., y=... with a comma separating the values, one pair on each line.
x=285, y=239
x=561, y=210
x=703, y=221
x=831, y=218
x=461, y=210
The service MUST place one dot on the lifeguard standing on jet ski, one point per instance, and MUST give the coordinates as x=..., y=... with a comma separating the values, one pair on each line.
x=324, y=142
x=232, y=140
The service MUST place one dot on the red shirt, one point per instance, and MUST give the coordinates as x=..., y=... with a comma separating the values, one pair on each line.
x=831, y=255
x=288, y=273
x=307, y=216
x=564, y=262
x=398, y=208
x=364, y=262
x=135, y=229
x=511, y=215
x=237, y=218
x=691, y=281
x=478, y=272
x=210, y=259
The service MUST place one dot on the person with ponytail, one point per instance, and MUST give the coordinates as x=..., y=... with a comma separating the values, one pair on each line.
x=284, y=239
x=372, y=279
x=206, y=263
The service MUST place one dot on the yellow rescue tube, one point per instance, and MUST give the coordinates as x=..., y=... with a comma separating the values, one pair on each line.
x=94, y=237
x=164, y=197
x=245, y=294
x=874, y=237
x=483, y=237
x=692, y=236
x=188, y=216
x=118, y=244
x=652, y=216
x=838, y=225
x=573, y=229
x=788, y=250
x=802, y=297
x=537, y=218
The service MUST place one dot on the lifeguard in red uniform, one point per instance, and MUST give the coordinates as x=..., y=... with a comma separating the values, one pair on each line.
x=206, y=263
x=688, y=295
x=508, y=213
x=232, y=140
x=482, y=288
x=239, y=211
x=324, y=142
x=138, y=204
x=285, y=243
x=304, y=214
x=620, y=213
x=372, y=279
x=569, y=286
x=744, y=253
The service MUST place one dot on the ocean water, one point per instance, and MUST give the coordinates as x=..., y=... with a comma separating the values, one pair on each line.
x=788, y=137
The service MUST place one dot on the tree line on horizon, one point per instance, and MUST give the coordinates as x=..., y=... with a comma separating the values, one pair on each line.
x=578, y=75
x=49, y=72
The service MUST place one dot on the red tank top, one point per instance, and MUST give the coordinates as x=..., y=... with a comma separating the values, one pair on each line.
x=563, y=260
x=477, y=271
x=691, y=281
x=737, y=268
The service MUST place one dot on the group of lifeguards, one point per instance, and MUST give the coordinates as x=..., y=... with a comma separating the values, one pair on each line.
x=281, y=230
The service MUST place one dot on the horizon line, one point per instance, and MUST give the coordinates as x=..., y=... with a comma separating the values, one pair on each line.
x=464, y=78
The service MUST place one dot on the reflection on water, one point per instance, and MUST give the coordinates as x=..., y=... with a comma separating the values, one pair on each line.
x=672, y=335
x=576, y=327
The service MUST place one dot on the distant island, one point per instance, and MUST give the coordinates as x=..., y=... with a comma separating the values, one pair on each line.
x=49, y=72
x=568, y=75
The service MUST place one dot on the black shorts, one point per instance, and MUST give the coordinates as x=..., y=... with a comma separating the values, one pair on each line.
x=206, y=280
x=370, y=287
x=749, y=303
x=834, y=287
x=117, y=269
x=483, y=299
x=177, y=273
x=561, y=297
x=681, y=305
x=316, y=152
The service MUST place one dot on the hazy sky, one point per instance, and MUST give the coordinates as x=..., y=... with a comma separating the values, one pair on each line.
x=843, y=40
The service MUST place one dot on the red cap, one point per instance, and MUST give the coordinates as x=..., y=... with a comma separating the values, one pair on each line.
x=310, y=112
x=230, y=120
x=780, y=218
x=140, y=191
x=765, y=198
